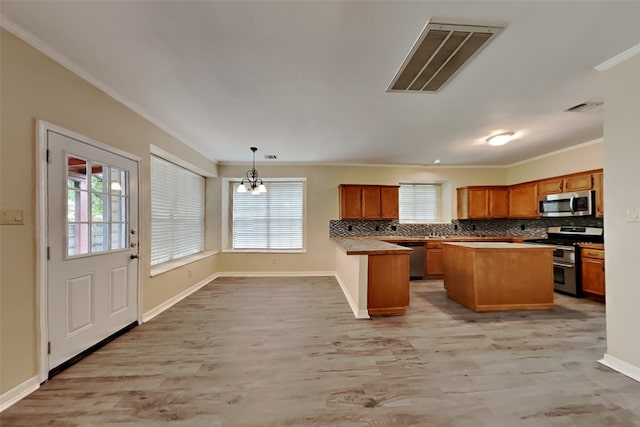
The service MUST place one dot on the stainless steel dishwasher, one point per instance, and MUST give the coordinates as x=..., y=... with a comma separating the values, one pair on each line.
x=416, y=259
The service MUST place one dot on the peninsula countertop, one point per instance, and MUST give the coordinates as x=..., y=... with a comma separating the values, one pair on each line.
x=368, y=246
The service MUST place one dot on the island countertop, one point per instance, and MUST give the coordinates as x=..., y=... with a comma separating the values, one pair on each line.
x=497, y=245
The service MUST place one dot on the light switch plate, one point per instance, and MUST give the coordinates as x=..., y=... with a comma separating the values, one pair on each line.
x=11, y=217
x=633, y=215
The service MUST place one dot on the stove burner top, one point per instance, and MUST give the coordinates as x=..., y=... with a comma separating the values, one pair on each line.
x=571, y=236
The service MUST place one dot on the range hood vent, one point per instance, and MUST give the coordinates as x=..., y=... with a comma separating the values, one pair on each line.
x=439, y=54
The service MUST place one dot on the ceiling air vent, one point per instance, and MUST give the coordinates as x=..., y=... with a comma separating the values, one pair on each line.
x=270, y=156
x=585, y=106
x=440, y=52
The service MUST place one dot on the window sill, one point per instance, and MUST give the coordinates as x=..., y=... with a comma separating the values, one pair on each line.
x=264, y=251
x=172, y=265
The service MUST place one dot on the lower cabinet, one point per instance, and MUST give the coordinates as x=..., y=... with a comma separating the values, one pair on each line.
x=434, y=269
x=592, y=268
x=388, y=286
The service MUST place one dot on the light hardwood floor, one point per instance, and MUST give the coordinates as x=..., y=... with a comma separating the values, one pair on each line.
x=288, y=352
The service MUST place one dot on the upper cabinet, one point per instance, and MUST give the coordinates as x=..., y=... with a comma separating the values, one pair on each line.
x=482, y=202
x=598, y=185
x=566, y=184
x=368, y=201
x=523, y=200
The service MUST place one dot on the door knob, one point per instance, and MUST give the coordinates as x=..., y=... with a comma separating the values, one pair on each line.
x=134, y=256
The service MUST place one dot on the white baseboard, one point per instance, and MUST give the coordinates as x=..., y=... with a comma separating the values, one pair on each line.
x=19, y=392
x=621, y=366
x=275, y=273
x=176, y=299
x=359, y=314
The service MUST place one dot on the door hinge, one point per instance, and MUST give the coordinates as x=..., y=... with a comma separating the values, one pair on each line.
x=49, y=347
x=48, y=252
x=48, y=156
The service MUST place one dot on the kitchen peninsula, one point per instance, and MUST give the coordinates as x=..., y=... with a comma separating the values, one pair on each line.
x=374, y=275
x=492, y=276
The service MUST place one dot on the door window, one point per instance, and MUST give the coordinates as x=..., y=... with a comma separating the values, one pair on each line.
x=97, y=201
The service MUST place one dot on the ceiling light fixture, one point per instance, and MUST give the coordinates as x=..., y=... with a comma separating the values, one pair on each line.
x=500, y=138
x=435, y=162
x=254, y=183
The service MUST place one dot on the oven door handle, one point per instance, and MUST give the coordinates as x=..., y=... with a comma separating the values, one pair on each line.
x=563, y=264
x=571, y=200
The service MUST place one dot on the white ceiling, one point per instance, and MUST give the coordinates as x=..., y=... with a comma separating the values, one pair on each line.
x=306, y=80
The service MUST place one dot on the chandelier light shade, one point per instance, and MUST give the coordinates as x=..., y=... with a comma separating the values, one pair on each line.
x=252, y=182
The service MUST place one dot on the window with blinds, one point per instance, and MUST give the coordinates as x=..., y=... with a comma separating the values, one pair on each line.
x=271, y=220
x=419, y=203
x=177, y=211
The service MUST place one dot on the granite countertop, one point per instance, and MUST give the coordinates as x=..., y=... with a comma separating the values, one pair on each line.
x=498, y=245
x=449, y=238
x=369, y=246
x=381, y=245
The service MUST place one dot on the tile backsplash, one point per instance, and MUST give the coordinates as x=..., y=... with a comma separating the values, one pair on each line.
x=490, y=227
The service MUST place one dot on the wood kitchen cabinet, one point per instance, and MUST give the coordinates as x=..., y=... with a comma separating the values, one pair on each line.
x=482, y=202
x=434, y=269
x=598, y=186
x=592, y=269
x=523, y=200
x=388, y=284
x=578, y=182
x=565, y=184
x=368, y=201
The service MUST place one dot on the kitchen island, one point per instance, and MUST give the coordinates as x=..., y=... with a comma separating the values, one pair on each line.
x=374, y=275
x=492, y=276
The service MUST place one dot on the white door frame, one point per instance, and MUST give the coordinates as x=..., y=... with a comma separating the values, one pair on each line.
x=42, y=284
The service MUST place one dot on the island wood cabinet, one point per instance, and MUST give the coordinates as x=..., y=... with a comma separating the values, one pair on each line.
x=368, y=201
x=523, y=200
x=483, y=202
x=592, y=269
x=565, y=184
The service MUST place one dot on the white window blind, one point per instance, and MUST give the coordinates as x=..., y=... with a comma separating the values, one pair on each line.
x=271, y=220
x=177, y=211
x=419, y=203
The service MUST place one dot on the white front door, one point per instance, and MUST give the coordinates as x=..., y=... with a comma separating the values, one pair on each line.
x=92, y=272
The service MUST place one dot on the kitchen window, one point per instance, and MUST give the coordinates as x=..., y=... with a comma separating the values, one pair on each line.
x=271, y=221
x=177, y=211
x=419, y=202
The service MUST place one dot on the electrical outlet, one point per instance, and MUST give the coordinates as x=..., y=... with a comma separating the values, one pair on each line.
x=394, y=228
x=377, y=228
x=473, y=227
x=522, y=227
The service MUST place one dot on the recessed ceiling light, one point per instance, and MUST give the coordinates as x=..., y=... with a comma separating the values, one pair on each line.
x=435, y=162
x=500, y=138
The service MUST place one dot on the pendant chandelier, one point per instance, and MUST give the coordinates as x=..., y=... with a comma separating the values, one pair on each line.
x=254, y=184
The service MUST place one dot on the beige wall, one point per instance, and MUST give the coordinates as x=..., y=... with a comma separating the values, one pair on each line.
x=587, y=156
x=622, y=238
x=34, y=87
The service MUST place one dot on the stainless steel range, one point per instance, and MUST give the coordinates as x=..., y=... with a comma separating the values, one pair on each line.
x=566, y=256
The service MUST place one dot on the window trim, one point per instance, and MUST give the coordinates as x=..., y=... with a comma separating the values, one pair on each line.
x=226, y=218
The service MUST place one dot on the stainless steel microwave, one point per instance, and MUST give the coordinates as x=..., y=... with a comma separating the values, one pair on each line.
x=578, y=203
